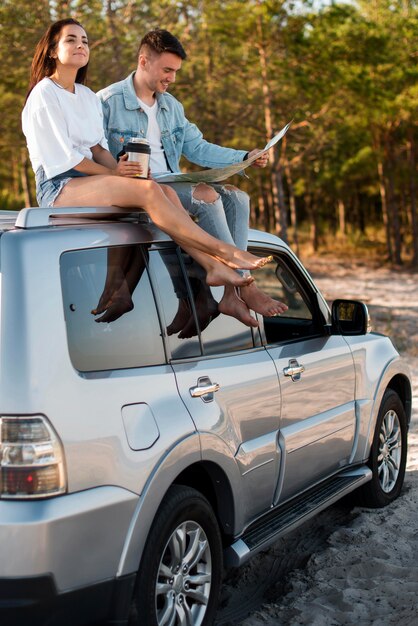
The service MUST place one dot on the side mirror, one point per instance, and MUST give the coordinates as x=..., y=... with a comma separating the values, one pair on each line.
x=350, y=317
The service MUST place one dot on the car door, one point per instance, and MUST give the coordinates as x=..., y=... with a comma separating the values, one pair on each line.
x=317, y=381
x=226, y=380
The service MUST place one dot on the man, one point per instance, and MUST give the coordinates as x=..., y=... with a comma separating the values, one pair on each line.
x=140, y=106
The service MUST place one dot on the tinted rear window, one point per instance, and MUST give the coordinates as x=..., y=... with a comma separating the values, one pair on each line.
x=111, y=284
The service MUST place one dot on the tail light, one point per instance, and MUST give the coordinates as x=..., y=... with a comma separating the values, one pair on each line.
x=31, y=458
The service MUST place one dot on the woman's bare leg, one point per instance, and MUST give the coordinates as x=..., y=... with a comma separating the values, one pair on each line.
x=175, y=221
x=118, y=262
x=125, y=266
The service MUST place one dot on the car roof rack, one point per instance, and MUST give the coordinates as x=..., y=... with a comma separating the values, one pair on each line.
x=37, y=217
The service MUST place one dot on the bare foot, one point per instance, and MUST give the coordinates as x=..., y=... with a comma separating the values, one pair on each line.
x=260, y=302
x=115, y=308
x=119, y=302
x=181, y=317
x=241, y=259
x=204, y=320
x=206, y=311
x=104, y=302
x=231, y=304
x=220, y=275
x=115, y=282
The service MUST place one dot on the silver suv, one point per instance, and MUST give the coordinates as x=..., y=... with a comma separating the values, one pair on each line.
x=147, y=442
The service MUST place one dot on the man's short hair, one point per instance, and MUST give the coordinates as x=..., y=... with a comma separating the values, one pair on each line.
x=159, y=41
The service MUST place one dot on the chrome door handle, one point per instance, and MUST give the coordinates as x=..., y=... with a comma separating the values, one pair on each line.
x=294, y=370
x=198, y=392
x=205, y=387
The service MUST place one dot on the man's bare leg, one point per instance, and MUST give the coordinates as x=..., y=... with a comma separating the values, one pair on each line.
x=260, y=302
x=231, y=304
x=206, y=311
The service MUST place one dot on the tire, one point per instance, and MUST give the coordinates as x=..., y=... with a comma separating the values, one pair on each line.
x=388, y=454
x=181, y=568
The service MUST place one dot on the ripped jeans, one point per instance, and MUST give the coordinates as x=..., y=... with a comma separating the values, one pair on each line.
x=226, y=217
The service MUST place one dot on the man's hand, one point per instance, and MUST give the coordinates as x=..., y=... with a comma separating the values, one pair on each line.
x=261, y=161
x=130, y=169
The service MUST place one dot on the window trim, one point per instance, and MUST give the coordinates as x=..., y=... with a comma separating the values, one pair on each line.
x=306, y=288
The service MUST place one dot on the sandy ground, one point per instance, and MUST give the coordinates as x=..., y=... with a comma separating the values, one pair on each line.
x=348, y=566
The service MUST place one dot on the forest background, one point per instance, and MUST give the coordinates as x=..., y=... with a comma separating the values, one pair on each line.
x=345, y=73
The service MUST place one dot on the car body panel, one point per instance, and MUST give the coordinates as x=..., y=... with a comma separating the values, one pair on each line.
x=128, y=433
x=39, y=537
x=244, y=413
x=318, y=416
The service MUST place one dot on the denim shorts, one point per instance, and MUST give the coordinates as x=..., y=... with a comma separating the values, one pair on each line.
x=48, y=189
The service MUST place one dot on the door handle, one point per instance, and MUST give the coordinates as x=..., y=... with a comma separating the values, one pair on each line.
x=294, y=370
x=205, y=387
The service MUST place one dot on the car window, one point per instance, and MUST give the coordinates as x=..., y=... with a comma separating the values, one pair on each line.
x=223, y=333
x=219, y=333
x=193, y=323
x=282, y=281
x=178, y=320
x=109, y=309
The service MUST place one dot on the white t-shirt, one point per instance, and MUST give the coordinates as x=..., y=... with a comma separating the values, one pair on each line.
x=61, y=127
x=158, y=164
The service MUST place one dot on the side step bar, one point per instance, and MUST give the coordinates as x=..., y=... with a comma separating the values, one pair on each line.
x=281, y=520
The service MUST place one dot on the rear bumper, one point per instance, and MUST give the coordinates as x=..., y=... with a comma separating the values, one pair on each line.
x=36, y=601
x=59, y=558
x=78, y=538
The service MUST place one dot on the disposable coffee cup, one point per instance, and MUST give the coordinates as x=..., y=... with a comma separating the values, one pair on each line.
x=139, y=150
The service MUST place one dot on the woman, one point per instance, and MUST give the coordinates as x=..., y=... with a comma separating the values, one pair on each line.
x=62, y=121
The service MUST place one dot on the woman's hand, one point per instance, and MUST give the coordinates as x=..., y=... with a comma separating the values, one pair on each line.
x=103, y=159
x=131, y=169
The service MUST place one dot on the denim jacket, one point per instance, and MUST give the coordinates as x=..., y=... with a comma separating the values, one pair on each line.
x=124, y=118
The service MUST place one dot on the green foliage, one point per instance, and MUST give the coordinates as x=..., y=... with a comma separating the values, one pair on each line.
x=347, y=74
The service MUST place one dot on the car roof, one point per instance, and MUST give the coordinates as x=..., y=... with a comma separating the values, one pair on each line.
x=7, y=220
x=40, y=217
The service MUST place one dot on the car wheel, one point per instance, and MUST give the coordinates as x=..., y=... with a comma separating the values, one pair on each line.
x=388, y=454
x=180, y=576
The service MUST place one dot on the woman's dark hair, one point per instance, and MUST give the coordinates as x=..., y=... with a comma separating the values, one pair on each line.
x=43, y=64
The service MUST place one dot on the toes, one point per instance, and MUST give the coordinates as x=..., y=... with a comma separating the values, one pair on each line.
x=265, y=260
x=115, y=311
x=244, y=281
x=101, y=307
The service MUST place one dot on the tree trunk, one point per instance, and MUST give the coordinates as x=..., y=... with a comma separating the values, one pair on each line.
x=292, y=205
x=341, y=218
x=393, y=208
x=270, y=210
x=260, y=219
x=385, y=208
x=276, y=177
x=25, y=178
x=118, y=69
x=358, y=213
x=413, y=195
x=281, y=216
x=313, y=220
x=15, y=174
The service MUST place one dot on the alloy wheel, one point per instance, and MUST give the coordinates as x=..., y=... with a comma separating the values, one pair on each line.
x=390, y=451
x=184, y=577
